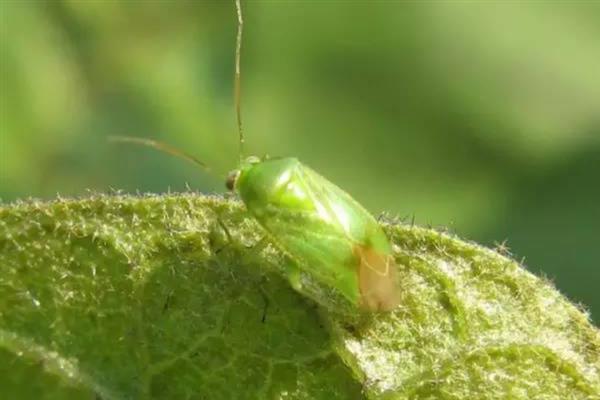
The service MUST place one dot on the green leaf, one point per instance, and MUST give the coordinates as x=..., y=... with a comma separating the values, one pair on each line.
x=179, y=297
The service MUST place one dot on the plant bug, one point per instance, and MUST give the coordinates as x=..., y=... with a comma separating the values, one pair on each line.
x=319, y=226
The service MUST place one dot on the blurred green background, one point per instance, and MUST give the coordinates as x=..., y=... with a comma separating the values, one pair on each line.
x=481, y=117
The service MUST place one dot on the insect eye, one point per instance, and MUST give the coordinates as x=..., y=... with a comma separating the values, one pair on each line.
x=231, y=179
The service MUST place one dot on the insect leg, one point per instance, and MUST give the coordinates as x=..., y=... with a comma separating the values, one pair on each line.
x=229, y=238
x=294, y=275
x=168, y=301
x=263, y=319
x=224, y=227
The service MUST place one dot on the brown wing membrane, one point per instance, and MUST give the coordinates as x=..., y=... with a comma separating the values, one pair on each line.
x=377, y=280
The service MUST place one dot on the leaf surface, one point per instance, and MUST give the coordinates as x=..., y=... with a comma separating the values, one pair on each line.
x=180, y=296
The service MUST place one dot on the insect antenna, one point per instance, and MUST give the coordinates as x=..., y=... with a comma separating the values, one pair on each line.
x=160, y=146
x=237, y=86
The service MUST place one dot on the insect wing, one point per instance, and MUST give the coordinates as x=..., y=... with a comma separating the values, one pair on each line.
x=377, y=280
x=346, y=220
x=319, y=225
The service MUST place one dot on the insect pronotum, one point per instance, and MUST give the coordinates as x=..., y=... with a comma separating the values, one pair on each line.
x=319, y=226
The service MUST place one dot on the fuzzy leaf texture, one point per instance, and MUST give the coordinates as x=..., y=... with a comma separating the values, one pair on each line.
x=119, y=297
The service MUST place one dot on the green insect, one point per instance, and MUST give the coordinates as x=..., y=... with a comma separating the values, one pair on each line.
x=319, y=226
